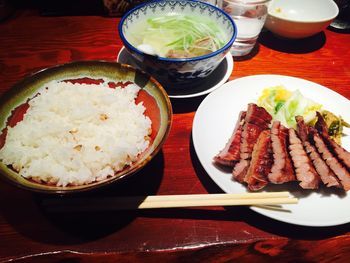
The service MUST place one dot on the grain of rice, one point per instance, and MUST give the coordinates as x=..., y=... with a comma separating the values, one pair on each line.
x=75, y=134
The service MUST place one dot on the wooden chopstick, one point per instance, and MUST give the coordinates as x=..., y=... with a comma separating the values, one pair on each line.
x=168, y=201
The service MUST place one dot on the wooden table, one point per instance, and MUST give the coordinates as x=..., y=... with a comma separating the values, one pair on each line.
x=28, y=233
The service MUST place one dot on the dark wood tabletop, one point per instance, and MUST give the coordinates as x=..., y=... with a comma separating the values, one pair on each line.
x=29, y=233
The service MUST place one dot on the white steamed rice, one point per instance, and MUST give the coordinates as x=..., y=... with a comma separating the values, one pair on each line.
x=75, y=134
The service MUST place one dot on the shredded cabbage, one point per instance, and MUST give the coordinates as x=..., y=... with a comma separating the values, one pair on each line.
x=193, y=34
x=284, y=105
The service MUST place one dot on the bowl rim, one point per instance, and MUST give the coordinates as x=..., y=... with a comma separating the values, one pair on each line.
x=71, y=190
x=306, y=21
x=212, y=54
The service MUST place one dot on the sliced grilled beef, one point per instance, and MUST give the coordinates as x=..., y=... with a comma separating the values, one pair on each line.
x=230, y=155
x=258, y=116
x=256, y=120
x=321, y=125
x=326, y=174
x=249, y=137
x=261, y=162
x=282, y=169
x=342, y=154
x=260, y=155
x=304, y=169
x=333, y=163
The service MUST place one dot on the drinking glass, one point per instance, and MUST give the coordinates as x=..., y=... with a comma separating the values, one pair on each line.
x=249, y=16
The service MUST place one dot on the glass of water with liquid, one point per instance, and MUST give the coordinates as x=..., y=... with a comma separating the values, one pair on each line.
x=249, y=16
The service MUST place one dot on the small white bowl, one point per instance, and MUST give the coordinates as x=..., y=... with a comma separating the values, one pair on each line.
x=300, y=18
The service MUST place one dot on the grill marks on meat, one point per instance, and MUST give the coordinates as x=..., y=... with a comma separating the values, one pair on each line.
x=258, y=116
x=282, y=169
x=321, y=125
x=260, y=155
x=326, y=174
x=256, y=120
x=230, y=155
x=249, y=137
x=339, y=170
x=261, y=162
x=342, y=154
x=304, y=170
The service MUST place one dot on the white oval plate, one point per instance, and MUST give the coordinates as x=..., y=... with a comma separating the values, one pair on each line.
x=214, y=122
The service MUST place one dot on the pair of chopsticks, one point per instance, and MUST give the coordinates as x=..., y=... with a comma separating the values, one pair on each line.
x=168, y=201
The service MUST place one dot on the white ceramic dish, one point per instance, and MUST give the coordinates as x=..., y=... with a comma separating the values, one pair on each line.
x=300, y=18
x=213, y=125
x=219, y=76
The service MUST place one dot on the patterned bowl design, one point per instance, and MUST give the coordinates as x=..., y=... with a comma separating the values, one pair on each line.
x=180, y=70
x=152, y=95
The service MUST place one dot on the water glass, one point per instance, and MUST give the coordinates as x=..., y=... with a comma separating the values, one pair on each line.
x=249, y=16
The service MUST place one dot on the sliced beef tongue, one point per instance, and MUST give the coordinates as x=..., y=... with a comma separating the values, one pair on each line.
x=321, y=125
x=339, y=170
x=261, y=162
x=304, y=169
x=342, y=154
x=249, y=137
x=326, y=174
x=230, y=155
x=256, y=120
x=282, y=168
x=258, y=116
x=260, y=155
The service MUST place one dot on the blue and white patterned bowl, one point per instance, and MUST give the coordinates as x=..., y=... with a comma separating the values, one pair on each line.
x=177, y=70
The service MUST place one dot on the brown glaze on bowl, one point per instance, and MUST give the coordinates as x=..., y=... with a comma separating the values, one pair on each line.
x=13, y=105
